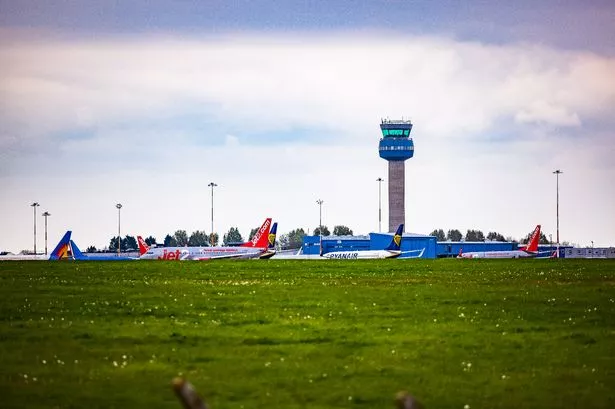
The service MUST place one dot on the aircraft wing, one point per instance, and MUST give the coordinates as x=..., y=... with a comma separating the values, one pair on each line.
x=419, y=255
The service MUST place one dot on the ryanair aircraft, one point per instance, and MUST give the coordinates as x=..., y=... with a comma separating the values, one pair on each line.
x=392, y=251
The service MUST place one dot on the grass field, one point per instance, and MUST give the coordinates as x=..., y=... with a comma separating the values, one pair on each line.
x=304, y=334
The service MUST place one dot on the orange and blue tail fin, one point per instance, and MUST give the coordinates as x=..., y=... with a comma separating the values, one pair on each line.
x=271, y=236
x=396, y=241
x=261, y=237
x=63, y=250
x=143, y=247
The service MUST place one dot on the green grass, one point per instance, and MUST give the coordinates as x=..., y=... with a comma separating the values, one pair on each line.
x=299, y=334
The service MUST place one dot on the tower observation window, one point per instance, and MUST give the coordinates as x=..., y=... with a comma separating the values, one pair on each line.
x=395, y=132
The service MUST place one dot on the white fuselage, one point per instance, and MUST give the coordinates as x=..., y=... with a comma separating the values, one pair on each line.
x=498, y=254
x=23, y=257
x=200, y=253
x=361, y=254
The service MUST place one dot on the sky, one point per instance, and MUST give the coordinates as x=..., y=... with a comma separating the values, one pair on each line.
x=144, y=103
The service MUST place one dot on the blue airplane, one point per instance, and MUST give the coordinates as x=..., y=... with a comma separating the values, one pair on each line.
x=68, y=250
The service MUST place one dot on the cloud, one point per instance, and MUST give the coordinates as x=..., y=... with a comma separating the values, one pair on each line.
x=281, y=121
x=542, y=112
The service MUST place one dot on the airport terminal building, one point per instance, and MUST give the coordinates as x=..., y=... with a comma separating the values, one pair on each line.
x=423, y=246
x=413, y=244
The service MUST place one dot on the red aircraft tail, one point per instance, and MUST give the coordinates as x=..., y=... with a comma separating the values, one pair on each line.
x=261, y=237
x=143, y=247
x=532, y=245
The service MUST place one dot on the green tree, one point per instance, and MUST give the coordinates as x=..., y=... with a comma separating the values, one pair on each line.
x=439, y=234
x=151, y=241
x=90, y=249
x=325, y=231
x=233, y=236
x=198, y=238
x=169, y=241
x=454, y=235
x=341, y=231
x=252, y=233
x=213, y=239
x=113, y=244
x=181, y=238
x=474, y=235
x=495, y=236
x=129, y=243
x=292, y=240
x=126, y=243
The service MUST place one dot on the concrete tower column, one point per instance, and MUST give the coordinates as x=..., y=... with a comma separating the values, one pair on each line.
x=397, y=183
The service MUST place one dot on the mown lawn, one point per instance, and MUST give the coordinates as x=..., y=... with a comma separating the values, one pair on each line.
x=309, y=334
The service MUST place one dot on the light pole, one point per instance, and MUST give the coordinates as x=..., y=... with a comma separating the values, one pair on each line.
x=211, y=236
x=592, y=249
x=379, y=180
x=320, y=202
x=557, y=173
x=119, y=240
x=34, y=206
x=45, y=215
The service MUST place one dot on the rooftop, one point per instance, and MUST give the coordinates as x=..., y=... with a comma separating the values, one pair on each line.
x=396, y=121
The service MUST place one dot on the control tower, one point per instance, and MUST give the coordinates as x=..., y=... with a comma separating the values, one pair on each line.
x=396, y=146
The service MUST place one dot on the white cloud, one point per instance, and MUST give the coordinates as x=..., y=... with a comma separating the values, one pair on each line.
x=541, y=111
x=150, y=121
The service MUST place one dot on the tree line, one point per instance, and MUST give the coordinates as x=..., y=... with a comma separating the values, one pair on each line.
x=290, y=240
x=178, y=239
x=477, y=235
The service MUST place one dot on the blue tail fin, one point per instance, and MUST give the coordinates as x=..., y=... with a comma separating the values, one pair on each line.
x=271, y=237
x=77, y=254
x=396, y=241
x=62, y=250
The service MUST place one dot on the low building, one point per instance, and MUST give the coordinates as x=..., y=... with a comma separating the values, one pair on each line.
x=589, y=252
x=412, y=245
x=453, y=248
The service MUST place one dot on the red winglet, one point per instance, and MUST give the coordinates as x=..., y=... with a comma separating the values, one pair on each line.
x=532, y=245
x=261, y=237
x=143, y=247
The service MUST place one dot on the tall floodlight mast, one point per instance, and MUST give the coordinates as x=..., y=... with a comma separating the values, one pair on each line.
x=557, y=172
x=211, y=236
x=34, y=206
x=379, y=180
x=119, y=240
x=45, y=215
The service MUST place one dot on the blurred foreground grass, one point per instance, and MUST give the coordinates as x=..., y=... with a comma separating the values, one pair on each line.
x=298, y=334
